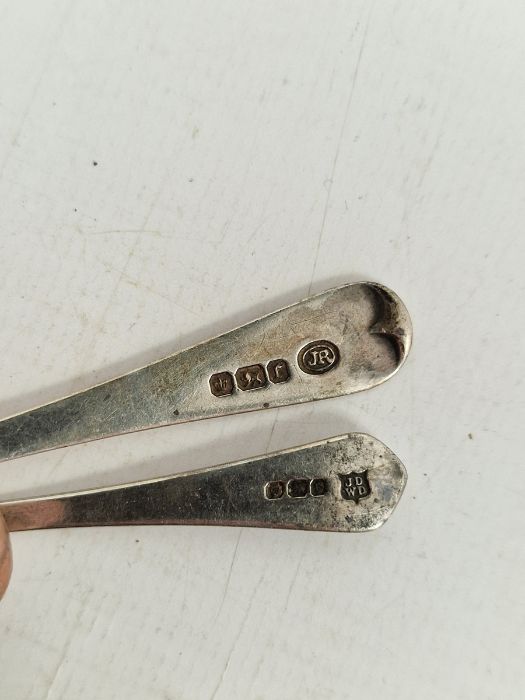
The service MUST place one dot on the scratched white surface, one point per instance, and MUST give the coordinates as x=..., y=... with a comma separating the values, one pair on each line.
x=248, y=153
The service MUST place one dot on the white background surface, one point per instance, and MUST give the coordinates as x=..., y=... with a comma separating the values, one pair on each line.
x=249, y=153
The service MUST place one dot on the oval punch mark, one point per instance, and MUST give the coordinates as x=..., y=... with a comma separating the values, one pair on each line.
x=318, y=357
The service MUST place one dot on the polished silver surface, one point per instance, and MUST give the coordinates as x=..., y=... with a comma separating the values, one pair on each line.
x=338, y=342
x=349, y=483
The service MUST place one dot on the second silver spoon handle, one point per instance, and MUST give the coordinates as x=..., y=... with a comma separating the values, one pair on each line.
x=349, y=483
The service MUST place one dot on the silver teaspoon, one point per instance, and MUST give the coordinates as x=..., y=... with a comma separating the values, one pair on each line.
x=338, y=342
x=349, y=483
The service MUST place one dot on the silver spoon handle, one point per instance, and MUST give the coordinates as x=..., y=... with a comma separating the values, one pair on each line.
x=344, y=340
x=349, y=483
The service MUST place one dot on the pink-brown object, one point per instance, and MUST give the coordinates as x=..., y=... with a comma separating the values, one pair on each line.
x=6, y=560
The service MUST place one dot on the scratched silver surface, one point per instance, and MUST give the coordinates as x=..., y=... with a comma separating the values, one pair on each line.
x=366, y=322
x=349, y=483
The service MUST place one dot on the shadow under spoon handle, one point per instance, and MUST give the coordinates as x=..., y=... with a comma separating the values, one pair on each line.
x=338, y=342
x=349, y=483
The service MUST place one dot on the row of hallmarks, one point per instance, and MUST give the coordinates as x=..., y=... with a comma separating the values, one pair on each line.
x=295, y=488
x=250, y=377
x=317, y=357
x=354, y=486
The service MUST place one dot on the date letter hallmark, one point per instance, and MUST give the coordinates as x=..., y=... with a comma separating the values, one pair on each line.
x=318, y=357
x=355, y=486
x=278, y=371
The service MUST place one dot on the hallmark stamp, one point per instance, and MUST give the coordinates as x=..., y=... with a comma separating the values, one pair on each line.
x=355, y=485
x=278, y=371
x=298, y=488
x=318, y=357
x=318, y=487
x=221, y=384
x=252, y=377
x=274, y=489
